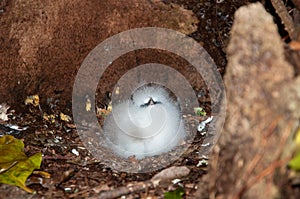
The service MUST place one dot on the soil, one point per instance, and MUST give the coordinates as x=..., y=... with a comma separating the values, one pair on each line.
x=42, y=48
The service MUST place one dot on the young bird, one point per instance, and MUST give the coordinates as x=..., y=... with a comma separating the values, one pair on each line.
x=147, y=124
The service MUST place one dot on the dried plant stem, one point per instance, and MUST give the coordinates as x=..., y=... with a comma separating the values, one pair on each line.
x=163, y=176
x=284, y=16
x=274, y=165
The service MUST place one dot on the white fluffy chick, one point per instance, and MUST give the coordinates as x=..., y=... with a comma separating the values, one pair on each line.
x=148, y=124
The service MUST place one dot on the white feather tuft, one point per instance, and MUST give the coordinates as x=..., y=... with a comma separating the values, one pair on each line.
x=136, y=127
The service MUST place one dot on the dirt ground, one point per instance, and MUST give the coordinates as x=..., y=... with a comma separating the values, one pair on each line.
x=42, y=45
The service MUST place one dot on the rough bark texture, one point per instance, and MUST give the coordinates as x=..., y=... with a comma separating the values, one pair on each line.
x=260, y=110
x=43, y=43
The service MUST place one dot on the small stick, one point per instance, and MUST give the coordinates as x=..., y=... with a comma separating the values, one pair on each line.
x=163, y=176
x=286, y=19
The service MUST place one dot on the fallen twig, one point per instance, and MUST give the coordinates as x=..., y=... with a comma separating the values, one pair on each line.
x=275, y=164
x=163, y=176
x=269, y=170
x=286, y=19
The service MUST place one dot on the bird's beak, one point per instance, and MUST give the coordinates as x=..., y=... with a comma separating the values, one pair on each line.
x=151, y=102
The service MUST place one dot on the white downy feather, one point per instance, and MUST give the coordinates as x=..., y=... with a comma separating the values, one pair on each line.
x=147, y=124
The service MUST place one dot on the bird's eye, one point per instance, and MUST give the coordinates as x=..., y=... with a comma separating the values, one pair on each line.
x=144, y=105
x=150, y=102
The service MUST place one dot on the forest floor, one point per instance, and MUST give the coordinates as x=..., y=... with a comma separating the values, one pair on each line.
x=46, y=68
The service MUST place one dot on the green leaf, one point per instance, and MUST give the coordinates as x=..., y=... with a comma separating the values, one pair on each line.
x=15, y=166
x=177, y=194
x=199, y=111
x=295, y=162
x=297, y=137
